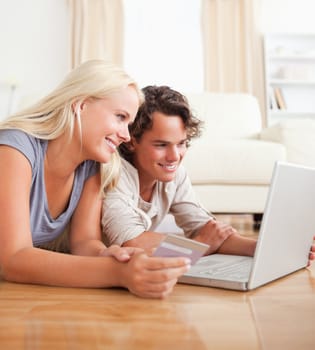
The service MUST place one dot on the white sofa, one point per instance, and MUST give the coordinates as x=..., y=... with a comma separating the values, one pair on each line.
x=230, y=165
x=298, y=138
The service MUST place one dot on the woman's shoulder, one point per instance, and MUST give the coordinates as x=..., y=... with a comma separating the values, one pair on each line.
x=27, y=144
x=15, y=136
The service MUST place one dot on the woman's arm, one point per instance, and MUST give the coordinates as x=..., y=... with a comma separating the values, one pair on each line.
x=85, y=228
x=21, y=262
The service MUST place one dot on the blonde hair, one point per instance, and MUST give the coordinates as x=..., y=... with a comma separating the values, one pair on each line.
x=53, y=115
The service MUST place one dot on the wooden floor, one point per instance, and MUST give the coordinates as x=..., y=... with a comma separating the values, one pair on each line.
x=244, y=223
x=279, y=315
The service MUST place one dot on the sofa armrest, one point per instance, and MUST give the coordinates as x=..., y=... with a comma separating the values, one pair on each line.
x=297, y=136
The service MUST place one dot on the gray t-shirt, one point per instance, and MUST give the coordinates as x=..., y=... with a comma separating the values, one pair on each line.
x=43, y=227
x=126, y=215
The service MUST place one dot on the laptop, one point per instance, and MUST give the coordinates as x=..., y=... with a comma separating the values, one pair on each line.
x=284, y=240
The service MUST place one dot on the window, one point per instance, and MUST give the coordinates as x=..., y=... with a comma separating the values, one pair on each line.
x=163, y=43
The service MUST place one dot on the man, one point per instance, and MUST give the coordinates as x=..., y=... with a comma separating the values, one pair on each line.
x=153, y=182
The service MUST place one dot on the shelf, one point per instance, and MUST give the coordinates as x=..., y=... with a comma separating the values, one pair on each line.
x=289, y=76
x=292, y=58
x=285, y=113
x=291, y=82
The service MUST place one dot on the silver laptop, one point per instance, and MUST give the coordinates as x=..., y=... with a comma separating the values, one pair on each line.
x=284, y=240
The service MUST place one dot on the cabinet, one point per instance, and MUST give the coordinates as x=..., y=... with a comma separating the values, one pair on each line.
x=289, y=76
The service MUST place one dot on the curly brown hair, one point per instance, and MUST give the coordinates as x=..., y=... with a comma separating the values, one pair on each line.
x=165, y=100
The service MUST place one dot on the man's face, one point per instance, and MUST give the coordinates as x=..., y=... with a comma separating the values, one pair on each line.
x=160, y=150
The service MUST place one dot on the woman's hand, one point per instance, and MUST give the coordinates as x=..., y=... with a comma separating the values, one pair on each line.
x=121, y=254
x=152, y=277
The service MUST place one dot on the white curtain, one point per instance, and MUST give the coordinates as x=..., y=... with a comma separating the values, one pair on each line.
x=233, y=48
x=96, y=30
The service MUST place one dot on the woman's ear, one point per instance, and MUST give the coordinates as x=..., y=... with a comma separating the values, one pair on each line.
x=77, y=107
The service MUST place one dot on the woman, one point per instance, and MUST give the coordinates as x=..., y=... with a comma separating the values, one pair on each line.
x=56, y=159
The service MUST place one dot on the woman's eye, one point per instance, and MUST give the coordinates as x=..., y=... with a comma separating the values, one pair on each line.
x=122, y=117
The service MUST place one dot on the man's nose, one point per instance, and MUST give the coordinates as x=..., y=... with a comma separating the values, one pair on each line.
x=173, y=153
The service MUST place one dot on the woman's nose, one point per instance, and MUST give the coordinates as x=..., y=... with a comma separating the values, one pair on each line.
x=124, y=134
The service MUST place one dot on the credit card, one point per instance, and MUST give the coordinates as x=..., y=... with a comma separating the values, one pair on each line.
x=178, y=246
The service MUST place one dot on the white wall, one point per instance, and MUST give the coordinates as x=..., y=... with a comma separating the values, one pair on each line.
x=34, y=46
x=288, y=16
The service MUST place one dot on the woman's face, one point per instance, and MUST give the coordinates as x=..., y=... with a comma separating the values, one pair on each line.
x=105, y=123
x=160, y=150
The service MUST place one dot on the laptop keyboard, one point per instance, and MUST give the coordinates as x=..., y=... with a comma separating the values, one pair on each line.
x=237, y=270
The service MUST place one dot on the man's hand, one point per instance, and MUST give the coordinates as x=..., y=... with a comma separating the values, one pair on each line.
x=214, y=233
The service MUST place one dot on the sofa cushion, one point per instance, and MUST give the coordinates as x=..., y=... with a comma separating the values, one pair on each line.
x=298, y=136
x=229, y=115
x=232, y=161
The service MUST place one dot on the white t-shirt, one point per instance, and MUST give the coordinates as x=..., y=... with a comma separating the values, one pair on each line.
x=126, y=215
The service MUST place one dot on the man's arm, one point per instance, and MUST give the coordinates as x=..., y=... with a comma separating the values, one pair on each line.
x=224, y=239
x=147, y=240
x=221, y=237
x=238, y=245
